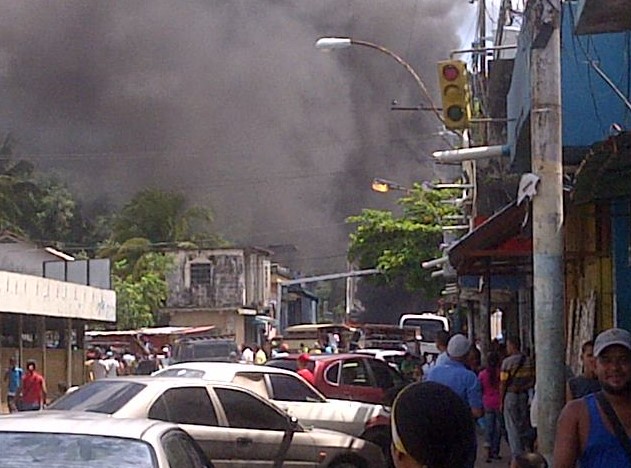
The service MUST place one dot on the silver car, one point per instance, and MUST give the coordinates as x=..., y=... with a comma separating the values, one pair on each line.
x=65, y=439
x=234, y=426
x=296, y=396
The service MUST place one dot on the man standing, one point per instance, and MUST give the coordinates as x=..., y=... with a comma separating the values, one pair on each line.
x=442, y=338
x=13, y=375
x=303, y=370
x=517, y=377
x=111, y=365
x=455, y=375
x=586, y=427
x=32, y=392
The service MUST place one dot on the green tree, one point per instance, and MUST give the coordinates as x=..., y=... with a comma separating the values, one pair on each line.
x=398, y=244
x=140, y=291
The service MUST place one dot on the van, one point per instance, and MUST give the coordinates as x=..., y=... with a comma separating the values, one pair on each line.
x=427, y=325
x=208, y=349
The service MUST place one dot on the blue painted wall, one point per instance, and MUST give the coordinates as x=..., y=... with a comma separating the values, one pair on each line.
x=589, y=104
x=621, y=234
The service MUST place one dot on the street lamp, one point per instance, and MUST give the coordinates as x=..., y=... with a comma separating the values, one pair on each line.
x=384, y=186
x=332, y=43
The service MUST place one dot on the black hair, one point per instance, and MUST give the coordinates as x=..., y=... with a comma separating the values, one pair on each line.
x=587, y=344
x=531, y=460
x=493, y=366
x=515, y=340
x=442, y=337
x=435, y=425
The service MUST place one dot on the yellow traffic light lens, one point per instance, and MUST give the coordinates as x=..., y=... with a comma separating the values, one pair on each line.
x=455, y=113
x=450, y=72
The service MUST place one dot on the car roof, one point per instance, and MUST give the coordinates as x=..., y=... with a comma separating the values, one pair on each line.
x=155, y=383
x=79, y=422
x=323, y=357
x=225, y=370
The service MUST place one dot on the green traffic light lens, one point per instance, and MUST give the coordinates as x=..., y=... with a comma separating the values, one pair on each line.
x=455, y=113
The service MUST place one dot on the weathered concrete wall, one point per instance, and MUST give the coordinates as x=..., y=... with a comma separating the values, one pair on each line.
x=23, y=257
x=228, y=322
x=226, y=285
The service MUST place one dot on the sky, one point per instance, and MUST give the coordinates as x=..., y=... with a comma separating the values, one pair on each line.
x=230, y=103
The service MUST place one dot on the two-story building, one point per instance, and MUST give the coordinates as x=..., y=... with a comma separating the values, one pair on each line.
x=229, y=288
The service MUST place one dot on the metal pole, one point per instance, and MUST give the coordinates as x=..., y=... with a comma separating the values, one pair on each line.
x=547, y=208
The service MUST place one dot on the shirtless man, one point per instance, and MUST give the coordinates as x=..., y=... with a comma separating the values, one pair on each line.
x=584, y=433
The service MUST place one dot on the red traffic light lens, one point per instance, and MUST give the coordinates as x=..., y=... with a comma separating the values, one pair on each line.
x=450, y=72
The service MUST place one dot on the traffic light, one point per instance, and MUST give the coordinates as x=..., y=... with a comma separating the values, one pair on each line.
x=454, y=90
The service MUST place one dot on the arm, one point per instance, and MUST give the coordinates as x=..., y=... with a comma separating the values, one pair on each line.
x=475, y=398
x=567, y=445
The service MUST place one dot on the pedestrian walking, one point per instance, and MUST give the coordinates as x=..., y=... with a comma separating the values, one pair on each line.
x=32, y=392
x=441, y=341
x=260, y=357
x=587, y=382
x=13, y=376
x=111, y=365
x=455, y=375
x=593, y=430
x=490, y=382
x=432, y=427
x=517, y=378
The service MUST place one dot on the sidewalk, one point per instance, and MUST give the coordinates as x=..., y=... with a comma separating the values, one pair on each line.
x=480, y=461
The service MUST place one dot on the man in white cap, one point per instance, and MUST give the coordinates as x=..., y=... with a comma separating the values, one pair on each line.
x=454, y=374
x=593, y=430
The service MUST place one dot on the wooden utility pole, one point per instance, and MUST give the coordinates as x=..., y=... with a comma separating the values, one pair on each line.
x=547, y=211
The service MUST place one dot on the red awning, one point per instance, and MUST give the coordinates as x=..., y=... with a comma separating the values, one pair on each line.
x=499, y=245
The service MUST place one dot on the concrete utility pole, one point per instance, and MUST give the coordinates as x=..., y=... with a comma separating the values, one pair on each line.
x=547, y=209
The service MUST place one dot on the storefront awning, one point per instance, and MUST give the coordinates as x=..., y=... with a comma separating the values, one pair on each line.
x=501, y=244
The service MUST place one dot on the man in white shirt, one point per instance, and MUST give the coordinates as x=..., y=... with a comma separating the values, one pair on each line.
x=111, y=365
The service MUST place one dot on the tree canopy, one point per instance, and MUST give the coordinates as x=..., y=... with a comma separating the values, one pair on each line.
x=398, y=244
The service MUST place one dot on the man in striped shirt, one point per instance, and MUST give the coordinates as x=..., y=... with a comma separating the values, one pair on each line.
x=517, y=377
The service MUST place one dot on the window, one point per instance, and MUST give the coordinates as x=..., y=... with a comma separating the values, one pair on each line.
x=46, y=450
x=185, y=405
x=354, y=372
x=244, y=411
x=103, y=396
x=383, y=376
x=201, y=274
x=180, y=450
x=289, y=388
x=332, y=374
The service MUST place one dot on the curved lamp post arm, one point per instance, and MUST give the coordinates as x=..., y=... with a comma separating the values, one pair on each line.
x=329, y=43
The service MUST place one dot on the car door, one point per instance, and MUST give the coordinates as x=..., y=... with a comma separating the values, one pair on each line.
x=265, y=436
x=193, y=410
x=357, y=383
x=298, y=399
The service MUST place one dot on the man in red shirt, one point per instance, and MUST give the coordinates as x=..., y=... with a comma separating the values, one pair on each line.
x=303, y=370
x=32, y=392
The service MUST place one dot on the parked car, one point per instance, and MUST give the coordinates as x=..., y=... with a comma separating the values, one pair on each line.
x=65, y=439
x=348, y=376
x=232, y=424
x=297, y=397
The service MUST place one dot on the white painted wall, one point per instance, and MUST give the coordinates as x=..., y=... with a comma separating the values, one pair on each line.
x=24, y=257
x=26, y=294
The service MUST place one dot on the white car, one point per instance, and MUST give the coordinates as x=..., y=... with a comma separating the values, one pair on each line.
x=65, y=439
x=297, y=397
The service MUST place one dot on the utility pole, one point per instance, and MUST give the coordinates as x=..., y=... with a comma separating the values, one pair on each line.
x=547, y=211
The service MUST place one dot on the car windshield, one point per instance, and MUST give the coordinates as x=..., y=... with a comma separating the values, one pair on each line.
x=179, y=372
x=102, y=396
x=32, y=449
